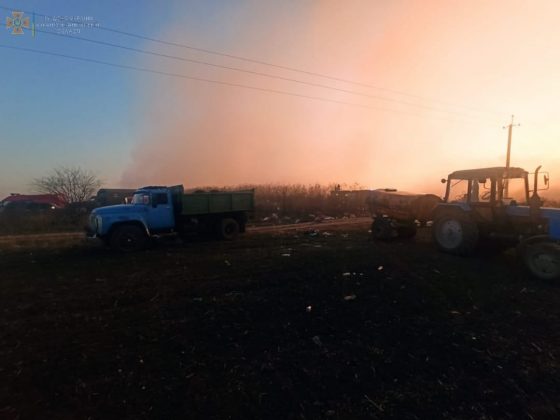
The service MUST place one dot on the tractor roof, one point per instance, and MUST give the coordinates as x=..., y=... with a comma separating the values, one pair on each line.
x=483, y=173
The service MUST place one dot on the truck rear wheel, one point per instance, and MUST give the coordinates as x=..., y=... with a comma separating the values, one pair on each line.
x=543, y=260
x=455, y=232
x=228, y=229
x=128, y=238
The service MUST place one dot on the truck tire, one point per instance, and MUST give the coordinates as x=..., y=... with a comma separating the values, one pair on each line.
x=455, y=232
x=542, y=259
x=128, y=238
x=228, y=229
x=382, y=229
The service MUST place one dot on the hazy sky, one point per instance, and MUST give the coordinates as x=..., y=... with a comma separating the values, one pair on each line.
x=443, y=76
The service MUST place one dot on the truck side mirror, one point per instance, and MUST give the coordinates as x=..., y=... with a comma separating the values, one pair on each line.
x=546, y=179
x=443, y=180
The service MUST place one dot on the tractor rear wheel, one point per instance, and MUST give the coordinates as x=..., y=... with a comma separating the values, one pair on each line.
x=543, y=260
x=455, y=232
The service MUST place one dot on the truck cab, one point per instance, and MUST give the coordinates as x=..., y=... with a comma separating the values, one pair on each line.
x=128, y=226
x=157, y=205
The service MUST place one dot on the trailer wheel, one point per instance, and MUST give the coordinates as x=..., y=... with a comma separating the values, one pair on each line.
x=128, y=238
x=543, y=260
x=228, y=229
x=382, y=229
x=455, y=232
x=407, y=231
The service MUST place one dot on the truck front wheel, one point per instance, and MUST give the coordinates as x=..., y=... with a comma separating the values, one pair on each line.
x=228, y=229
x=455, y=232
x=543, y=260
x=128, y=238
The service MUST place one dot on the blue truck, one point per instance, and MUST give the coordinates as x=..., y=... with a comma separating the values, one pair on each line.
x=160, y=210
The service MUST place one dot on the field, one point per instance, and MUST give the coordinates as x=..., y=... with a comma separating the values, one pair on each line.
x=304, y=321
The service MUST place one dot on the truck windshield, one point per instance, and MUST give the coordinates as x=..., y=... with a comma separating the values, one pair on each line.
x=141, y=198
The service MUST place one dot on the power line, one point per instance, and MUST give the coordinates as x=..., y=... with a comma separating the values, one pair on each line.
x=283, y=67
x=218, y=82
x=190, y=60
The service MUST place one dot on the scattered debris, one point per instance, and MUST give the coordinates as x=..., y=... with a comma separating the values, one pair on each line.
x=378, y=406
x=350, y=297
x=317, y=341
x=380, y=268
x=272, y=218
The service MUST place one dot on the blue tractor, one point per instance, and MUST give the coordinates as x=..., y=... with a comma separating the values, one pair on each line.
x=498, y=204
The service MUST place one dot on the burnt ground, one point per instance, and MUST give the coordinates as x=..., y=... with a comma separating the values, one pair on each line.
x=279, y=324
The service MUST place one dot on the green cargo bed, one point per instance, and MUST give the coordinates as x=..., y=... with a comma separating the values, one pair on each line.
x=217, y=202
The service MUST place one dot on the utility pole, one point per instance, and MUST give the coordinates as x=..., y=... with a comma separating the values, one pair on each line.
x=510, y=130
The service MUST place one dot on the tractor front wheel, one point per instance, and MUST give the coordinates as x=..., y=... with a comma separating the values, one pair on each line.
x=455, y=232
x=543, y=260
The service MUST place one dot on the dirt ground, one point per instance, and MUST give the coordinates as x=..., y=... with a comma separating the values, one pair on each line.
x=318, y=322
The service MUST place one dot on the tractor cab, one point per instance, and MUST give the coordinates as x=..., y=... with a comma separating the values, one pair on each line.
x=488, y=186
x=485, y=193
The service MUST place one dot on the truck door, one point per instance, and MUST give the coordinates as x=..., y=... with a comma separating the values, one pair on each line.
x=160, y=214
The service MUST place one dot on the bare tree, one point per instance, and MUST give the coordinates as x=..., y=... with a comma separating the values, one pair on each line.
x=72, y=183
